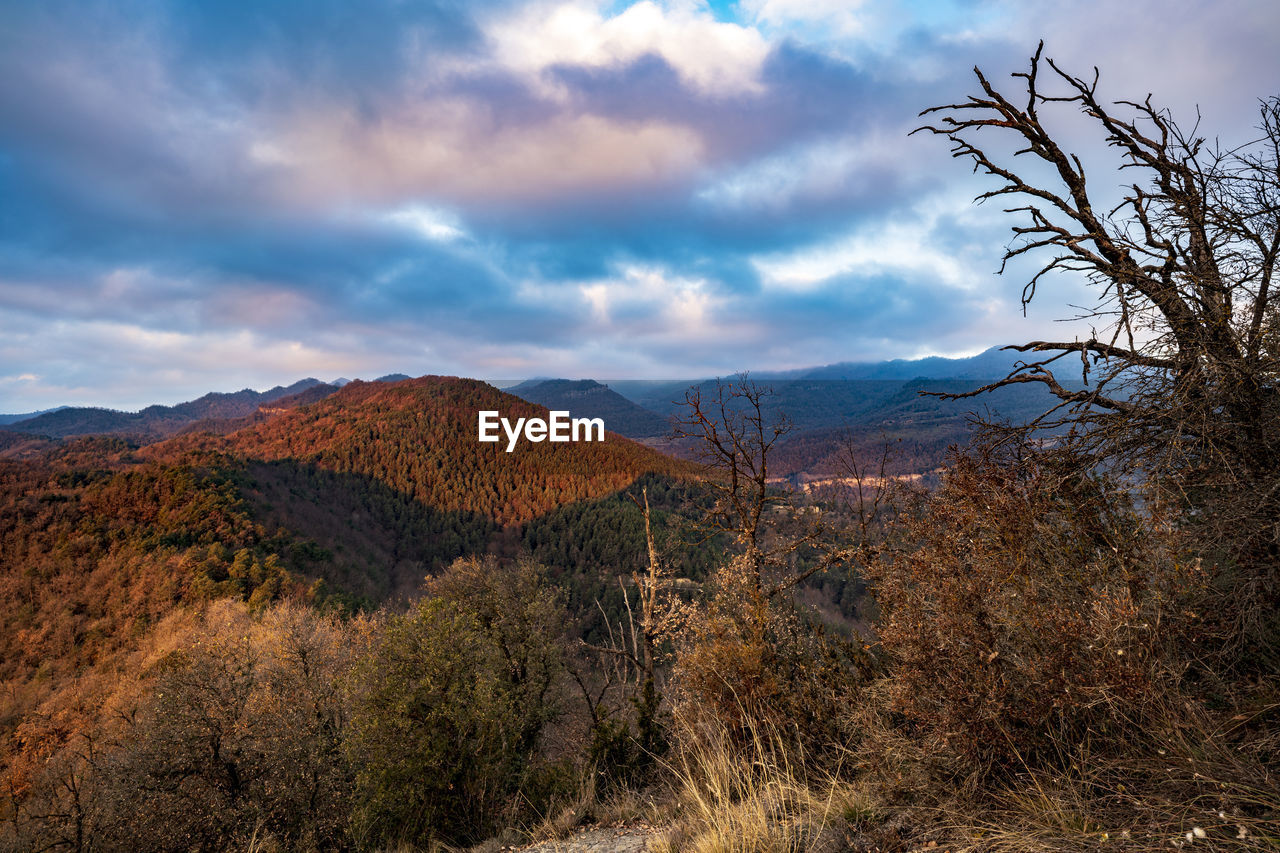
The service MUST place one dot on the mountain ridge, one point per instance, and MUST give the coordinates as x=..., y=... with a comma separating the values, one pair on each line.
x=155, y=422
x=589, y=398
x=415, y=435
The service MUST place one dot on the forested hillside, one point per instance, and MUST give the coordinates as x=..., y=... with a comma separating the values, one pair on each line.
x=418, y=437
x=345, y=503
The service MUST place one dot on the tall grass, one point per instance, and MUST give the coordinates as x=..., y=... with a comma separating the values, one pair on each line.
x=751, y=794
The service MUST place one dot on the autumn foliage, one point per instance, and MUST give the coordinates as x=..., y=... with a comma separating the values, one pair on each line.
x=1021, y=605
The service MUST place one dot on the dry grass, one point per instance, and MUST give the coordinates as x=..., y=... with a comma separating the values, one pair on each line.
x=622, y=806
x=758, y=796
x=1191, y=782
x=1197, y=792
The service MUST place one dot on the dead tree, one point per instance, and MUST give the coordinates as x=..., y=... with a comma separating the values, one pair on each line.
x=736, y=432
x=1181, y=365
x=629, y=662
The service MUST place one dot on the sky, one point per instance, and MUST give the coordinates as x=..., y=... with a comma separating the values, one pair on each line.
x=211, y=196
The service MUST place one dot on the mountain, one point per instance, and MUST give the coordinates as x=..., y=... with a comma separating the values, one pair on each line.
x=355, y=497
x=918, y=430
x=5, y=420
x=993, y=363
x=154, y=422
x=266, y=410
x=656, y=395
x=345, y=501
x=858, y=404
x=419, y=437
x=588, y=398
x=853, y=405
x=829, y=415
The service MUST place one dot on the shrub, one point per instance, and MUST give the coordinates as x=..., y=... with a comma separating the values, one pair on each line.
x=239, y=737
x=1023, y=604
x=748, y=660
x=453, y=701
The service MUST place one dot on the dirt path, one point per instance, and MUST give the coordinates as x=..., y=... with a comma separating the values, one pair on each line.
x=633, y=839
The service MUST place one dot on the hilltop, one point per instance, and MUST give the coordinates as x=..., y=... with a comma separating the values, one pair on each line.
x=588, y=398
x=418, y=437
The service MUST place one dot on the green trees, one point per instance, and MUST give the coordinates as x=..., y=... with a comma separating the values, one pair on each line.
x=453, y=701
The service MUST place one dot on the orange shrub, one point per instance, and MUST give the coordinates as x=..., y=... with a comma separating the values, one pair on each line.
x=745, y=661
x=1021, y=604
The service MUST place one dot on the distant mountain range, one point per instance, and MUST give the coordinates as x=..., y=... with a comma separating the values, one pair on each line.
x=990, y=364
x=830, y=408
x=5, y=420
x=821, y=402
x=217, y=411
x=155, y=422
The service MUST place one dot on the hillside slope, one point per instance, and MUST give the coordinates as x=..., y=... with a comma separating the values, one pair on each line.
x=419, y=438
x=346, y=501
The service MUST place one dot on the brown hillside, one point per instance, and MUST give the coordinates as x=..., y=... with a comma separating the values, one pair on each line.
x=419, y=437
x=357, y=496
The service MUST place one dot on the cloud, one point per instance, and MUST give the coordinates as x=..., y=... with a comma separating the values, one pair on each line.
x=458, y=150
x=907, y=247
x=838, y=168
x=838, y=18
x=429, y=223
x=198, y=197
x=713, y=57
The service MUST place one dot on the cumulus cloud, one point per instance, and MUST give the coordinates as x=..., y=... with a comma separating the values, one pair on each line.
x=714, y=57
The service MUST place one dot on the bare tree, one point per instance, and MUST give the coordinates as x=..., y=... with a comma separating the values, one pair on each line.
x=735, y=434
x=628, y=665
x=634, y=647
x=737, y=431
x=1181, y=366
